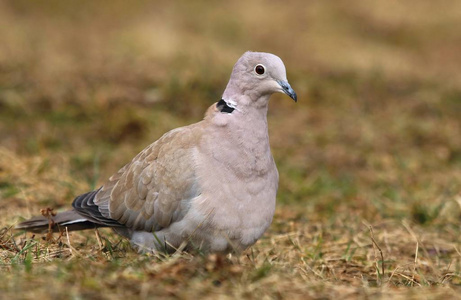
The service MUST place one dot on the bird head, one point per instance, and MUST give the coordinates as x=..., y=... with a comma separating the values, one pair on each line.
x=257, y=75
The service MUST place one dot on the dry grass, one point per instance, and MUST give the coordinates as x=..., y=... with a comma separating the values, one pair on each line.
x=369, y=159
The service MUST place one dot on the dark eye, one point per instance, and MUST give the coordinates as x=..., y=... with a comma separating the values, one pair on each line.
x=259, y=69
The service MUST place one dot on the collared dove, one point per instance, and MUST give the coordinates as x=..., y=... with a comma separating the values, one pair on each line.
x=210, y=185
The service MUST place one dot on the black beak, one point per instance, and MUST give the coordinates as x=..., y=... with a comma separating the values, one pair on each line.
x=288, y=90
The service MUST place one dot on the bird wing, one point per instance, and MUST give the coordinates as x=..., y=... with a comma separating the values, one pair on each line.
x=153, y=190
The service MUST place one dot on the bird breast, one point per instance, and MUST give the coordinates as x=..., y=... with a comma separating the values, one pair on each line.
x=238, y=195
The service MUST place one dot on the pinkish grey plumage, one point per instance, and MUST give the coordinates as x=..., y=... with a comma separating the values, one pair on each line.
x=210, y=185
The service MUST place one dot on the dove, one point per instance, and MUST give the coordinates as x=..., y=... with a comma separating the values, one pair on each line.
x=211, y=185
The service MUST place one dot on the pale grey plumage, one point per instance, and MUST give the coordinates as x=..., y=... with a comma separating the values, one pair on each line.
x=211, y=184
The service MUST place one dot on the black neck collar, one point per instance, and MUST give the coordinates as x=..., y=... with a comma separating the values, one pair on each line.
x=223, y=107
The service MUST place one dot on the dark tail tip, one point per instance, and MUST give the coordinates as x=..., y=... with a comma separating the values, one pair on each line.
x=70, y=219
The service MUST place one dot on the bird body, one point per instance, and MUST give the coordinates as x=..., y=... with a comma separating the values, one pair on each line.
x=210, y=185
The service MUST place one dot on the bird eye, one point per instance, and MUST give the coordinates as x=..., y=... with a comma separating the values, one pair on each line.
x=259, y=69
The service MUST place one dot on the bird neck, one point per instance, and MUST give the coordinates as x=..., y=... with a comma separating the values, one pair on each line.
x=246, y=124
x=239, y=112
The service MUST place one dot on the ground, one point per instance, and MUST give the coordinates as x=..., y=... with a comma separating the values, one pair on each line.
x=369, y=202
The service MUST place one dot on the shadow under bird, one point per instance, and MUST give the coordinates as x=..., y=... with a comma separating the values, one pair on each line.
x=210, y=185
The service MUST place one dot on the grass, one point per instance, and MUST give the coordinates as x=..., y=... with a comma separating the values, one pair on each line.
x=369, y=203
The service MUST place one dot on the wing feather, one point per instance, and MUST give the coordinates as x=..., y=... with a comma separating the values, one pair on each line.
x=146, y=194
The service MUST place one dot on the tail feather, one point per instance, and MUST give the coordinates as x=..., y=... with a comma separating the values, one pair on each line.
x=70, y=219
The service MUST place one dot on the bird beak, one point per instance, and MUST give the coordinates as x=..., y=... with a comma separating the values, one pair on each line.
x=286, y=88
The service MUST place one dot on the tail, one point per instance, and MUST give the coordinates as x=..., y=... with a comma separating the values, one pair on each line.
x=70, y=219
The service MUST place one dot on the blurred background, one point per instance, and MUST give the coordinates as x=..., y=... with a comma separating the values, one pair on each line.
x=376, y=133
